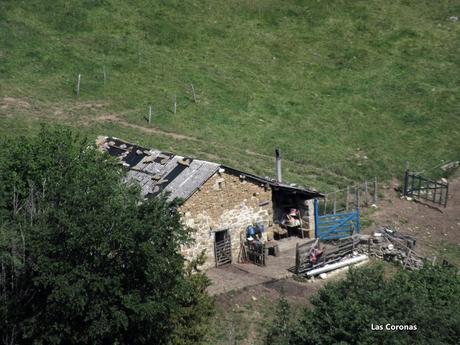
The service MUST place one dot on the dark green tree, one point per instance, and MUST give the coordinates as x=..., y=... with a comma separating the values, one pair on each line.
x=344, y=312
x=83, y=259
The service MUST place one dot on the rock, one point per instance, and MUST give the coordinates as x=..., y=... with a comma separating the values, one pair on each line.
x=453, y=18
x=323, y=275
x=374, y=206
x=254, y=298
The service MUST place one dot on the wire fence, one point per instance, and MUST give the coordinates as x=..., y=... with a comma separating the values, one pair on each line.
x=347, y=199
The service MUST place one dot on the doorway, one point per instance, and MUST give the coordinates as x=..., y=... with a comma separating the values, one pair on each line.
x=222, y=247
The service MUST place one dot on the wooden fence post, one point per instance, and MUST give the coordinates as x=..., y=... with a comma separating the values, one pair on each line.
x=366, y=194
x=357, y=196
x=297, y=258
x=150, y=114
x=406, y=178
x=193, y=93
x=78, y=85
x=175, y=104
x=335, y=202
x=375, y=191
x=346, y=198
x=325, y=203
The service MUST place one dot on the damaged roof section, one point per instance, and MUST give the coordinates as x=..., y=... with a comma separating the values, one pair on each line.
x=157, y=171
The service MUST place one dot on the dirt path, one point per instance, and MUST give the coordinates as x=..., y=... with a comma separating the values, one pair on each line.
x=174, y=135
x=114, y=118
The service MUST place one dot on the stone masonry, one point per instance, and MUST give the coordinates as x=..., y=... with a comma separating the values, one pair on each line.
x=224, y=202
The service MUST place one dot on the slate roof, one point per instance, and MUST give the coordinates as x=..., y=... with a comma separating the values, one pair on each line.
x=158, y=171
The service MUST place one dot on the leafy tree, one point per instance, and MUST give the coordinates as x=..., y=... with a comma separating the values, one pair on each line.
x=83, y=259
x=344, y=311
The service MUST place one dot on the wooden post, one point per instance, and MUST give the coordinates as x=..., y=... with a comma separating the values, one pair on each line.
x=104, y=73
x=325, y=204
x=375, y=191
x=406, y=178
x=346, y=198
x=150, y=114
x=335, y=202
x=357, y=196
x=78, y=85
x=447, y=196
x=175, y=105
x=366, y=194
x=193, y=93
x=297, y=258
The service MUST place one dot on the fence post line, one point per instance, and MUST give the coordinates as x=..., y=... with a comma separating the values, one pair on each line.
x=175, y=104
x=357, y=196
x=406, y=178
x=358, y=220
x=193, y=93
x=375, y=190
x=335, y=202
x=347, y=197
x=366, y=194
x=78, y=85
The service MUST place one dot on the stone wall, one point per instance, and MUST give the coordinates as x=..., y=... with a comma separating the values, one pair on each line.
x=225, y=202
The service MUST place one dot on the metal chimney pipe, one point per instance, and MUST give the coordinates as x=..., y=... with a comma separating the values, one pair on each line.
x=278, y=165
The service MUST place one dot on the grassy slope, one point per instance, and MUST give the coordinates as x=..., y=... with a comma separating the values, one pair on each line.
x=318, y=78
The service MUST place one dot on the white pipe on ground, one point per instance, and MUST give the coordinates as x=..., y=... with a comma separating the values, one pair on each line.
x=340, y=264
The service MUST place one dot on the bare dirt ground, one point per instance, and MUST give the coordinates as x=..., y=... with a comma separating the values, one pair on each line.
x=238, y=275
x=436, y=228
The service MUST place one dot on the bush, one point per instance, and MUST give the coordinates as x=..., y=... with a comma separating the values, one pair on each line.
x=345, y=312
x=83, y=259
x=279, y=332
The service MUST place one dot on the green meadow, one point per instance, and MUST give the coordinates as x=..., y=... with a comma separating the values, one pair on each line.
x=348, y=90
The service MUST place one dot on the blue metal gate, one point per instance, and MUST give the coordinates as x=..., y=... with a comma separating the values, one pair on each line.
x=334, y=226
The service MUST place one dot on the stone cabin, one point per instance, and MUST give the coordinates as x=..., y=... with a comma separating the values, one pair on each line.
x=219, y=202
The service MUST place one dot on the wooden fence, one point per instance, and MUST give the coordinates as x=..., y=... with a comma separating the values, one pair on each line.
x=348, y=199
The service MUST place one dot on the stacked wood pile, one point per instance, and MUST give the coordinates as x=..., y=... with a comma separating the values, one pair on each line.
x=386, y=244
x=390, y=245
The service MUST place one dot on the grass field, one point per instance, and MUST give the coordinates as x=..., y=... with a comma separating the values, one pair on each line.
x=347, y=89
